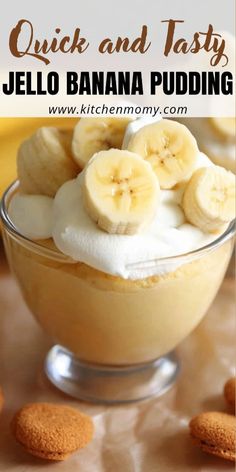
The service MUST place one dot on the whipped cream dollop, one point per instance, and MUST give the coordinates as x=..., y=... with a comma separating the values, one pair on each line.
x=75, y=234
x=78, y=236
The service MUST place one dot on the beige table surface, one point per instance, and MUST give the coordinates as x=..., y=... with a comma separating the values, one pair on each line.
x=150, y=436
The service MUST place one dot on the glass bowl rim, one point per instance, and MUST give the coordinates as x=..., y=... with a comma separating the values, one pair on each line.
x=59, y=256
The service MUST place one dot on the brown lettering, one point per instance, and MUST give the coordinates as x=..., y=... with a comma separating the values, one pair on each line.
x=78, y=43
x=208, y=41
x=170, y=34
x=13, y=42
x=125, y=44
x=38, y=49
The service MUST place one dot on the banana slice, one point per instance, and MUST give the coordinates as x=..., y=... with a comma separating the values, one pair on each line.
x=169, y=147
x=209, y=198
x=225, y=126
x=135, y=126
x=44, y=161
x=121, y=191
x=92, y=135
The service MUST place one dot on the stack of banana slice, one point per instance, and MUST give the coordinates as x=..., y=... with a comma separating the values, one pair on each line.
x=122, y=187
x=45, y=161
x=92, y=135
x=13, y=131
x=121, y=191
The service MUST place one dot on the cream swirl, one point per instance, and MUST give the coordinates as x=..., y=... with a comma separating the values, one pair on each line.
x=76, y=235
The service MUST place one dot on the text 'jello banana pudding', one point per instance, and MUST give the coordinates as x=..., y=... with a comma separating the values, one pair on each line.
x=128, y=203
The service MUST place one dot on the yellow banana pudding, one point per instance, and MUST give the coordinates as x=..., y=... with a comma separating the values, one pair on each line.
x=119, y=261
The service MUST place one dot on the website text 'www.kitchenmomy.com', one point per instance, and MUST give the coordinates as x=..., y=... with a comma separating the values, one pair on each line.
x=122, y=110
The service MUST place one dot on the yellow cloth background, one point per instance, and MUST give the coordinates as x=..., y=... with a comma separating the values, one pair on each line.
x=12, y=132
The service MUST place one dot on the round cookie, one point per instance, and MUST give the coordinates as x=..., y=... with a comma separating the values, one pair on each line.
x=215, y=433
x=51, y=431
x=1, y=399
x=229, y=392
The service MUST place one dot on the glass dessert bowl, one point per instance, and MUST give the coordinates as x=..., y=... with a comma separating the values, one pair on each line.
x=119, y=235
x=115, y=336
